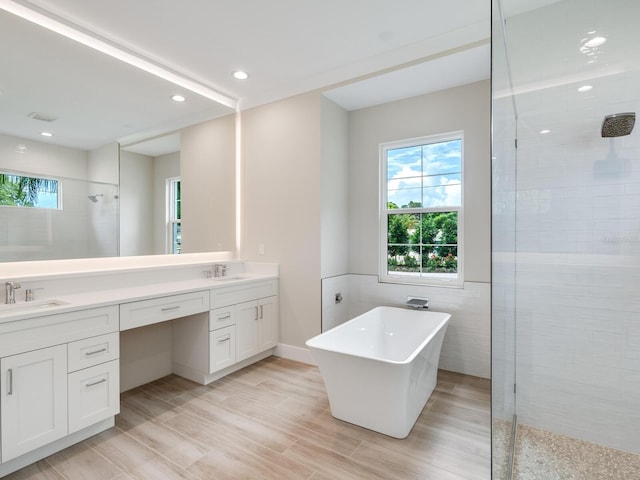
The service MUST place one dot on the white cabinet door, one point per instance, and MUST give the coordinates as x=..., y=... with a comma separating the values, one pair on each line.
x=246, y=330
x=94, y=394
x=33, y=399
x=222, y=348
x=268, y=323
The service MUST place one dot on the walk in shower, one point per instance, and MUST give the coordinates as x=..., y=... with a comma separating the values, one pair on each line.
x=566, y=239
x=80, y=220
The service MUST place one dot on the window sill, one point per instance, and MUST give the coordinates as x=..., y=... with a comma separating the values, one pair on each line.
x=423, y=281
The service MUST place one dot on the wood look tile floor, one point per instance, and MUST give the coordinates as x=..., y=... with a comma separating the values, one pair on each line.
x=272, y=421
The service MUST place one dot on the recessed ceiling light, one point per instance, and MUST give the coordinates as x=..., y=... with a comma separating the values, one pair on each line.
x=46, y=134
x=595, y=42
x=585, y=88
x=240, y=75
x=178, y=98
x=545, y=131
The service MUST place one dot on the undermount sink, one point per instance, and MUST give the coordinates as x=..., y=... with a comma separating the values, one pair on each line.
x=229, y=278
x=14, y=308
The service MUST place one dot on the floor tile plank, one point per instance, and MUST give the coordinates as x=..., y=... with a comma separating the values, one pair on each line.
x=272, y=420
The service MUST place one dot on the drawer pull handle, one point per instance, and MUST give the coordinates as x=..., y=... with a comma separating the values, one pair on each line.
x=168, y=309
x=225, y=339
x=226, y=317
x=261, y=311
x=10, y=381
x=256, y=313
x=102, y=350
x=97, y=382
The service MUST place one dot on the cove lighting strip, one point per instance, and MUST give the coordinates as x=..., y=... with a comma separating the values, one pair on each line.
x=238, y=182
x=107, y=48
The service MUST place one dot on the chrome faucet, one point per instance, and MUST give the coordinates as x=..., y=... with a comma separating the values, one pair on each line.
x=220, y=270
x=10, y=288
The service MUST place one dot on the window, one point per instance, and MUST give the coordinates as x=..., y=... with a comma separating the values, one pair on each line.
x=421, y=210
x=174, y=228
x=31, y=192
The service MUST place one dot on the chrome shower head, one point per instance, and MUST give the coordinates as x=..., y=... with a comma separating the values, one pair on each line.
x=618, y=124
x=94, y=198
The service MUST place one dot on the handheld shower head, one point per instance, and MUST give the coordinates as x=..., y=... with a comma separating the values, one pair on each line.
x=618, y=124
x=94, y=198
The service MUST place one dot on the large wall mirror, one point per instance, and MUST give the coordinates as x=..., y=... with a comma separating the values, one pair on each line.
x=101, y=183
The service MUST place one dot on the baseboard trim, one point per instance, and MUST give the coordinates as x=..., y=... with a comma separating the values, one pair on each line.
x=294, y=353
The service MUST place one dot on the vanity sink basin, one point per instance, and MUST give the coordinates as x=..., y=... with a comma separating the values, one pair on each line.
x=230, y=278
x=25, y=307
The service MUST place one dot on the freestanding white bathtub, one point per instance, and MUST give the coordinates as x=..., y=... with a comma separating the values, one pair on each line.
x=381, y=367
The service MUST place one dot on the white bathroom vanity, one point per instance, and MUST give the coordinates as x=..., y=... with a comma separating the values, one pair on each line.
x=60, y=353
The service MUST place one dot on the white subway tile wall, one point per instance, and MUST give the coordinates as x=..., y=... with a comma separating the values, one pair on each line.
x=466, y=347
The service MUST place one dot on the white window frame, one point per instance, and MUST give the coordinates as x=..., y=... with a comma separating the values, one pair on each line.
x=171, y=219
x=435, y=279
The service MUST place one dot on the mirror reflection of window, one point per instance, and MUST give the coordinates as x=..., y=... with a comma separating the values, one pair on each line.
x=25, y=191
x=174, y=232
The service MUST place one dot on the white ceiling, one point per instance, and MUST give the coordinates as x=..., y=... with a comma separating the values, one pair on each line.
x=287, y=47
x=460, y=68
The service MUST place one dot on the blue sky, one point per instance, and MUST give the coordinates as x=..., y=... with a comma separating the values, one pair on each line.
x=47, y=200
x=430, y=174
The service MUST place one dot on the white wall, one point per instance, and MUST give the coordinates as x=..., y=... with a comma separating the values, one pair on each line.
x=164, y=167
x=136, y=192
x=207, y=170
x=467, y=344
x=334, y=171
x=104, y=167
x=463, y=108
x=42, y=158
x=310, y=170
x=103, y=164
x=281, y=197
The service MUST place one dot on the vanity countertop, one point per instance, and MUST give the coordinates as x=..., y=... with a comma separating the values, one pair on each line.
x=113, y=296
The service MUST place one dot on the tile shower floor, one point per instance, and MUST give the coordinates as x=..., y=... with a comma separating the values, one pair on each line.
x=272, y=421
x=541, y=455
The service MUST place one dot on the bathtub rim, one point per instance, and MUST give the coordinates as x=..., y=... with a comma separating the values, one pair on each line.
x=442, y=324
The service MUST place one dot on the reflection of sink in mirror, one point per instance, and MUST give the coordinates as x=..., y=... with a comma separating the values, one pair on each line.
x=9, y=309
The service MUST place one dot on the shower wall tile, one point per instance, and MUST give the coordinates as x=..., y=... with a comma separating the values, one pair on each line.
x=578, y=369
x=467, y=344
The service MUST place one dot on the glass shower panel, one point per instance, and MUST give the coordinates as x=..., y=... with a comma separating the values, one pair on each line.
x=503, y=254
x=84, y=225
x=577, y=231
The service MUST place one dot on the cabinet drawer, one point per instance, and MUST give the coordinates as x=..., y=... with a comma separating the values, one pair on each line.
x=93, y=351
x=222, y=317
x=40, y=332
x=244, y=292
x=146, y=312
x=94, y=395
x=222, y=348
